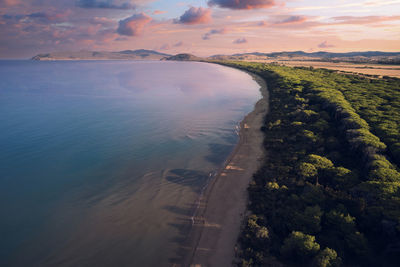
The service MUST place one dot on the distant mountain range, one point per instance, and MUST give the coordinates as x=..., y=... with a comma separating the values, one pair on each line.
x=184, y=57
x=142, y=54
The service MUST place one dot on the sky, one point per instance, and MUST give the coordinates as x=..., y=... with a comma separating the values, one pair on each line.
x=203, y=28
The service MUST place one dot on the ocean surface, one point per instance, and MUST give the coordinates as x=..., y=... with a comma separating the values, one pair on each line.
x=101, y=162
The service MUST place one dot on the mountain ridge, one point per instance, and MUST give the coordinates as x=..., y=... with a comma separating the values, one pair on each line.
x=139, y=54
x=145, y=54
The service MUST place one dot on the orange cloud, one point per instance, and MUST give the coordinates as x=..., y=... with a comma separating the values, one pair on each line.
x=158, y=12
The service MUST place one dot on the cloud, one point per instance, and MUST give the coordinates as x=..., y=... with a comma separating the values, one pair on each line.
x=349, y=5
x=110, y=4
x=195, y=15
x=48, y=16
x=381, y=3
x=121, y=39
x=158, y=12
x=286, y=21
x=325, y=44
x=178, y=44
x=240, y=41
x=208, y=35
x=38, y=17
x=101, y=21
x=242, y=4
x=262, y=23
x=292, y=20
x=165, y=47
x=168, y=46
x=133, y=25
x=9, y=2
x=364, y=20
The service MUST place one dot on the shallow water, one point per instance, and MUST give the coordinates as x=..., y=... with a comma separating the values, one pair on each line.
x=102, y=161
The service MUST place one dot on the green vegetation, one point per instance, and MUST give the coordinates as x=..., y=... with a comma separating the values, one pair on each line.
x=328, y=193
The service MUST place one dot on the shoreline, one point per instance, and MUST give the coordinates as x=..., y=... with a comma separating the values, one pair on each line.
x=217, y=221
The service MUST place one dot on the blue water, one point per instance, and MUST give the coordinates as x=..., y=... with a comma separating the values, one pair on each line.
x=101, y=161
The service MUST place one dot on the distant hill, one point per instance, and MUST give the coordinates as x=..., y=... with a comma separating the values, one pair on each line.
x=143, y=54
x=324, y=54
x=183, y=57
x=140, y=54
x=362, y=57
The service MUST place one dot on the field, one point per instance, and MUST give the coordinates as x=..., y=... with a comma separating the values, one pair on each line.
x=359, y=68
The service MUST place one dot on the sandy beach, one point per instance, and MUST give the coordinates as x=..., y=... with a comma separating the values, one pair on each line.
x=222, y=208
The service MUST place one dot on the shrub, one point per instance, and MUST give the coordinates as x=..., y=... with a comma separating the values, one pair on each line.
x=327, y=258
x=299, y=246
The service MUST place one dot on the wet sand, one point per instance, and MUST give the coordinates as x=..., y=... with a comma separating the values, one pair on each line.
x=216, y=224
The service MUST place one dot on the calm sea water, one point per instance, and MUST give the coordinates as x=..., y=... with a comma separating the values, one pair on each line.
x=101, y=162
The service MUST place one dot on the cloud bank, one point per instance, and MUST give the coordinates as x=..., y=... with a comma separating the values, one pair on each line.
x=292, y=20
x=110, y=4
x=242, y=4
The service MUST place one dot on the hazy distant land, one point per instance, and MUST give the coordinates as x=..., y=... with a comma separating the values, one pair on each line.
x=141, y=54
x=352, y=57
x=365, y=63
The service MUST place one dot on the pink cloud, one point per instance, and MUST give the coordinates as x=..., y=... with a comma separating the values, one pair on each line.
x=364, y=19
x=158, y=12
x=178, y=44
x=325, y=44
x=102, y=21
x=168, y=46
x=9, y=2
x=262, y=23
x=195, y=15
x=208, y=35
x=165, y=47
x=242, y=4
x=133, y=25
x=240, y=41
x=292, y=20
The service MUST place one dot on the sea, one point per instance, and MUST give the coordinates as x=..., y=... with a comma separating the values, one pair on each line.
x=102, y=162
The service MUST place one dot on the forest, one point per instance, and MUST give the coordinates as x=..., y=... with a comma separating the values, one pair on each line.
x=328, y=192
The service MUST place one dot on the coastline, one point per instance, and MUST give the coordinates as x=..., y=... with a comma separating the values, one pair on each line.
x=217, y=221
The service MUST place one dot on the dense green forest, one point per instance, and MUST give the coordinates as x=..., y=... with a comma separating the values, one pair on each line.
x=328, y=193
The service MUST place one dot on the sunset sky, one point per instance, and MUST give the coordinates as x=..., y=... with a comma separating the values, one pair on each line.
x=29, y=27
